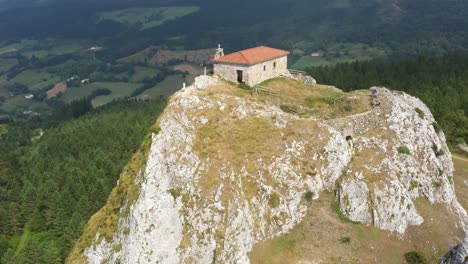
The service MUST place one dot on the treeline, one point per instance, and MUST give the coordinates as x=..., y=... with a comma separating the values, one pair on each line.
x=50, y=185
x=441, y=82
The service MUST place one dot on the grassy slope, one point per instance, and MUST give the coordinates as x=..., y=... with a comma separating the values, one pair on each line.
x=119, y=90
x=319, y=234
x=461, y=179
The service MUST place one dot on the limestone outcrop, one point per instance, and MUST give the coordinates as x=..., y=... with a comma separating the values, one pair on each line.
x=457, y=254
x=227, y=170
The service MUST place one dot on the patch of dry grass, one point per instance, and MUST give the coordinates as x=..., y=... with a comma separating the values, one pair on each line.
x=320, y=101
x=240, y=143
x=460, y=178
x=318, y=238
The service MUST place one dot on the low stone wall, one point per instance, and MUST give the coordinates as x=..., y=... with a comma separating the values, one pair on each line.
x=361, y=123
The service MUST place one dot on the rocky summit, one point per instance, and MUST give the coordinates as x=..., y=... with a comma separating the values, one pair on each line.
x=228, y=168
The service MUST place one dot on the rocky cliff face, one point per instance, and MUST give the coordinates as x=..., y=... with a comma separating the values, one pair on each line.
x=457, y=254
x=228, y=170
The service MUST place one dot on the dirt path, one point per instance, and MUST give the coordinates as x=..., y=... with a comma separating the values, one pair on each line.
x=459, y=158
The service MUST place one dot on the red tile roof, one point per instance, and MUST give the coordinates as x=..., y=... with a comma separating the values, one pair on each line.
x=252, y=56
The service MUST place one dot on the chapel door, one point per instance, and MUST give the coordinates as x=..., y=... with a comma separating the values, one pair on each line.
x=240, y=77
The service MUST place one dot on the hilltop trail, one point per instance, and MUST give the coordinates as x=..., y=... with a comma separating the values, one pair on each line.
x=459, y=158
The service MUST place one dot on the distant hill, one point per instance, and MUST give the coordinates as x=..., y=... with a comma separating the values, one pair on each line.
x=405, y=27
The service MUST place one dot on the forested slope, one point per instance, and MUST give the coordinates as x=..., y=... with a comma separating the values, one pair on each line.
x=50, y=188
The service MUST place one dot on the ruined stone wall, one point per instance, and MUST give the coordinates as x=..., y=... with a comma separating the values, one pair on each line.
x=253, y=74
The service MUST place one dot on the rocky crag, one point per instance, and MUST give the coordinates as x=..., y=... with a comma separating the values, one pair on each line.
x=457, y=255
x=226, y=170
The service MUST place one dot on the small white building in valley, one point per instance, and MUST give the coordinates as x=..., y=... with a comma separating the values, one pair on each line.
x=251, y=66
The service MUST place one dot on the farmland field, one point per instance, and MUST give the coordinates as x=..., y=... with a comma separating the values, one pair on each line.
x=341, y=53
x=143, y=72
x=169, y=86
x=148, y=17
x=45, y=47
x=60, y=87
x=5, y=64
x=35, y=79
x=19, y=103
x=118, y=89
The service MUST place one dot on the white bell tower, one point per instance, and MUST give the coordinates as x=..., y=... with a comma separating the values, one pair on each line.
x=219, y=52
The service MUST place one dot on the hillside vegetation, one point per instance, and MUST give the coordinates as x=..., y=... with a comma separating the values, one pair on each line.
x=49, y=188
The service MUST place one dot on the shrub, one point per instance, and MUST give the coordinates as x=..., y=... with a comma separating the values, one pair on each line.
x=439, y=153
x=175, y=193
x=274, y=200
x=404, y=150
x=413, y=184
x=420, y=112
x=118, y=247
x=414, y=257
x=309, y=195
x=348, y=108
x=436, y=127
x=345, y=240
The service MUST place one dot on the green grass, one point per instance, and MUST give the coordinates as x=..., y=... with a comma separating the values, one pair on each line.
x=336, y=208
x=143, y=72
x=118, y=89
x=169, y=86
x=337, y=53
x=328, y=98
x=148, y=17
x=35, y=79
x=245, y=87
x=345, y=240
x=23, y=240
x=404, y=150
x=283, y=244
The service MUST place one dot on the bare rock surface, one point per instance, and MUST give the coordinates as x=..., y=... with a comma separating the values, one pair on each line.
x=457, y=254
x=227, y=171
